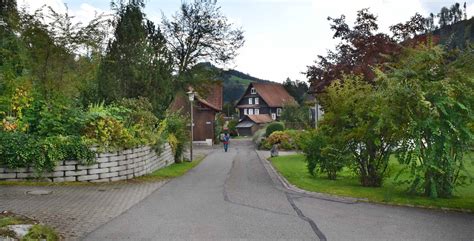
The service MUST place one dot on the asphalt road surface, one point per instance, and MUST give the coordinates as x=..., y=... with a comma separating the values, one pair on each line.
x=232, y=196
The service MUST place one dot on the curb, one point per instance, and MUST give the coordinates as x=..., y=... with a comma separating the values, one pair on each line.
x=348, y=200
x=292, y=188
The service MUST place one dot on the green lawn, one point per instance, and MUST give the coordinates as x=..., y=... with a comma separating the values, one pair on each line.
x=172, y=171
x=293, y=168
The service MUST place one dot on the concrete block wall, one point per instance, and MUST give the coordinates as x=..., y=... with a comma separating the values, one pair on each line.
x=109, y=167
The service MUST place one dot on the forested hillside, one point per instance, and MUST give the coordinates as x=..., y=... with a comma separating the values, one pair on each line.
x=457, y=35
x=235, y=83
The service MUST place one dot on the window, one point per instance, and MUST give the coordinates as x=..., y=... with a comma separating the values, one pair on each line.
x=257, y=111
x=245, y=111
x=250, y=101
x=253, y=91
x=278, y=111
x=257, y=101
x=250, y=111
x=274, y=116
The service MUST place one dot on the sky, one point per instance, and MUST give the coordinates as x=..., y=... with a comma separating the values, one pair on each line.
x=282, y=37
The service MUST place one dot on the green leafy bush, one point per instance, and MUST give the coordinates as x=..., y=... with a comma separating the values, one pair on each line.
x=20, y=150
x=272, y=127
x=108, y=134
x=287, y=140
x=323, y=154
x=174, y=130
x=232, y=125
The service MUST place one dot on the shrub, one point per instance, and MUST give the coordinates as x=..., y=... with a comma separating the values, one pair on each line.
x=323, y=154
x=272, y=127
x=232, y=125
x=108, y=134
x=19, y=150
x=174, y=130
x=287, y=140
x=258, y=137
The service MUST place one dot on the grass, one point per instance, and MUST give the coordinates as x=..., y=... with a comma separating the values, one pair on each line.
x=172, y=171
x=293, y=168
x=37, y=232
x=41, y=232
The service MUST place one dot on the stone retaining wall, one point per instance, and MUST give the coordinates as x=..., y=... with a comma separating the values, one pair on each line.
x=109, y=167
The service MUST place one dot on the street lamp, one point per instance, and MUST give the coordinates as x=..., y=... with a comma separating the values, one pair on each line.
x=191, y=95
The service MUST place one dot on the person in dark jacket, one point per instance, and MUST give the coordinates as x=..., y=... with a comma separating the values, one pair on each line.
x=226, y=141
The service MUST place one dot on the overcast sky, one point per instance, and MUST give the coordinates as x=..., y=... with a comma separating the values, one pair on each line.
x=282, y=36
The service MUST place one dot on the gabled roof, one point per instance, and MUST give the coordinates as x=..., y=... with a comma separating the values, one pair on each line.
x=260, y=119
x=274, y=94
x=212, y=99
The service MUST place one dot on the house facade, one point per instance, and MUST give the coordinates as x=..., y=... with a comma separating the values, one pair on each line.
x=205, y=108
x=260, y=104
x=264, y=99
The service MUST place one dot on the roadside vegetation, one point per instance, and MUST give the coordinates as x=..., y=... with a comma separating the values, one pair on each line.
x=398, y=120
x=394, y=190
x=36, y=232
x=70, y=90
x=172, y=171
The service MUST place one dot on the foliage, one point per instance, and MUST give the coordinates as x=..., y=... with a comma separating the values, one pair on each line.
x=174, y=129
x=434, y=98
x=297, y=117
x=297, y=89
x=14, y=119
x=272, y=127
x=20, y=150
x=219, y=127
x=360, y=49
x=137, y=62
x=259, y=137
x=41, y=232
x=324, y=154
x=287, y=140
x=199, y=31
x=294, y=169
x=232, y=125
x=362, y=119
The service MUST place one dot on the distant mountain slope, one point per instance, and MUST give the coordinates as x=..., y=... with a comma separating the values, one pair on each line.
x=235, y=83
x=457, y=35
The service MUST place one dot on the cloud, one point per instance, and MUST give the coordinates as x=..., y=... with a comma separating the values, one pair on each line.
x=33, y=5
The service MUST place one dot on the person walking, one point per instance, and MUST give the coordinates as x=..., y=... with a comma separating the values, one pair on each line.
x=226, y=141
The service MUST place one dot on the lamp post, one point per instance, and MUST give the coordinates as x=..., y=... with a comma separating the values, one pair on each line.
x=316, y=113
x=191, y=95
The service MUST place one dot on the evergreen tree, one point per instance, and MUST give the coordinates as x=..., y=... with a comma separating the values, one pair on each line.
x=137, y=62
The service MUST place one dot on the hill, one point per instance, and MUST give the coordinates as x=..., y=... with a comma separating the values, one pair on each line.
x=235, y=83
x=456, y=35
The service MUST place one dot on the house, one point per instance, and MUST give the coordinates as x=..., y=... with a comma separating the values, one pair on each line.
x=261, y=103
x=251, y=123
x=206, y=107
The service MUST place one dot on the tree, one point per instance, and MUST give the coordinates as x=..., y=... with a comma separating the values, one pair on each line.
x=432, y=92
x=358, y=116
x=360, y=50
x=200, y=32
x=415, y=26
x=137, y=62
x=297, y=89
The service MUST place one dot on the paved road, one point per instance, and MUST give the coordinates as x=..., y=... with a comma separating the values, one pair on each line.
x=233, y=196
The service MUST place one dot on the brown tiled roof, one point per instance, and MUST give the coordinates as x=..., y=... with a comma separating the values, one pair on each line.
x=212, y=98
x=260, y=119
x=274, y=94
